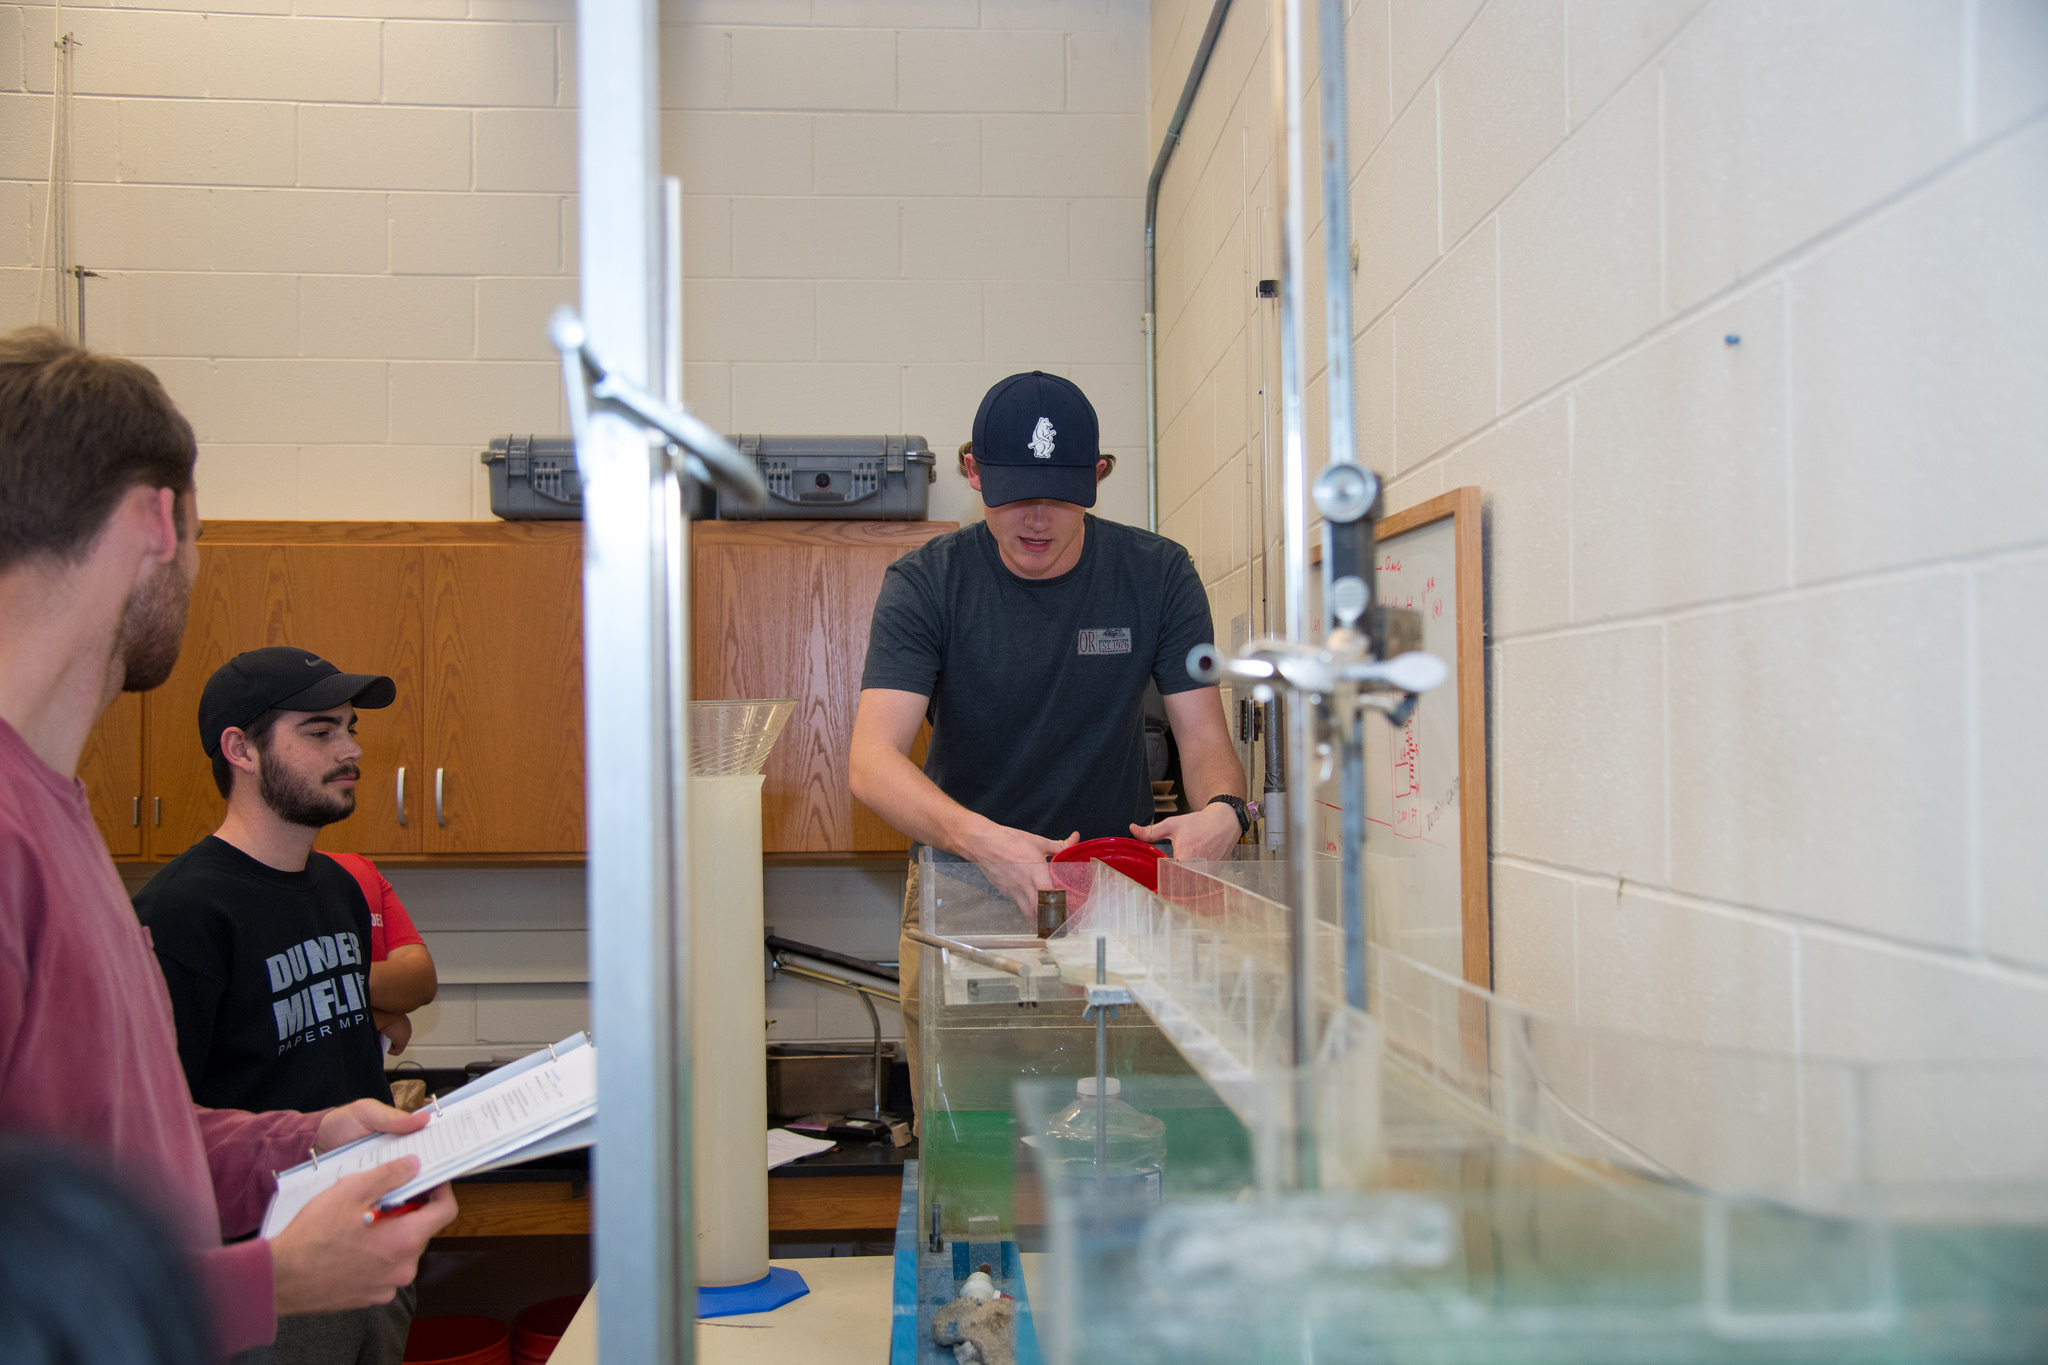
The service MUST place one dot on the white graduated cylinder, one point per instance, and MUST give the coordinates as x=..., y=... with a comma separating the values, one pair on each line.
x=728, y=1031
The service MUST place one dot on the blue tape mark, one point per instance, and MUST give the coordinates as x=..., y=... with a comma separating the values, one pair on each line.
x=903, y=1342
x=1027, y=1329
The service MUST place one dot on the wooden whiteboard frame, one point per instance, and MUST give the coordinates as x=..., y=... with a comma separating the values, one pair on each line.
x=1462, y=506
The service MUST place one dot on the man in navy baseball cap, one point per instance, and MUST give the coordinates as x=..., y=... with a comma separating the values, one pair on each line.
x=1036, y=437
x=1030, y=641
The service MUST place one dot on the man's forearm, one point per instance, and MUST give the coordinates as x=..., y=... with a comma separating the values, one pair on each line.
x=1208, y=774
x=402, y=986
x=893, y=787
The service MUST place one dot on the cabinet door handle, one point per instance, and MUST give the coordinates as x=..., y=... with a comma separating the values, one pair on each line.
x=401, y=798
x=440, y=811
x=157, y=809
x=135, y=813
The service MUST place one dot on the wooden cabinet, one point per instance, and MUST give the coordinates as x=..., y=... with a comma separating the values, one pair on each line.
x=479, y=625
x=504, y=699
x=111, y=768
x=781, y=609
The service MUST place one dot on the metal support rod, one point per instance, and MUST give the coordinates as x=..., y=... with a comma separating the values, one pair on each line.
x=1337, y=265
x=966, y=950
x=1336, y=159
x=1301, y=893
x=1203, y=51
x=1101, y=1067
x=632, y=607
x=1351, y=778
x=875, y=1023
x=83, y=275
x=783, y=964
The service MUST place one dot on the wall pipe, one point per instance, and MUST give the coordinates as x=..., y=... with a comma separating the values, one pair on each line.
x=1172, y=140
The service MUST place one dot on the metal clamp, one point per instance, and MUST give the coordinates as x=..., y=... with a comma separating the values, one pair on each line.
x=702, y=453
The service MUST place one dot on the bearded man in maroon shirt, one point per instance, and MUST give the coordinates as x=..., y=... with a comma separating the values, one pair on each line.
x=98, y=519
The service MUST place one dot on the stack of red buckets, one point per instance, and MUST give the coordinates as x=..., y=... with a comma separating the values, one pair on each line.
x=530, y=1340
x=536, y=1330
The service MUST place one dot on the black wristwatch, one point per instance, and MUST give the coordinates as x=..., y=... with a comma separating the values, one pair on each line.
x=1244, y=815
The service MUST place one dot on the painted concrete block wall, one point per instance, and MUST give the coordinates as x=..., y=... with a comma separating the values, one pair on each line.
x=513, y=959
x=1735, y=310
x=891, y=206
x=337, y=229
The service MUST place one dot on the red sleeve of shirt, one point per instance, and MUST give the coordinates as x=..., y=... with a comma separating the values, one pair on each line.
x=243, y=1152
x=240, y=1288
x=390, y=926
x=398, y=929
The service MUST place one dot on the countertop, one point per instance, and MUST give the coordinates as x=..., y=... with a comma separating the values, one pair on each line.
x=845, y=1318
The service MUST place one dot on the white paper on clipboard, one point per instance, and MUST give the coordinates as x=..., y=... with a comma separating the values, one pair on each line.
x=512, y=1114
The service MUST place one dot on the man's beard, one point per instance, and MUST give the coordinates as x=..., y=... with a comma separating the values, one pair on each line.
x=297, y=801
x=152, y=629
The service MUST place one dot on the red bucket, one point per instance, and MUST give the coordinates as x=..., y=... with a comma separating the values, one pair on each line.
x=1134, y=858
x=538, y=1330
x=458, y=1341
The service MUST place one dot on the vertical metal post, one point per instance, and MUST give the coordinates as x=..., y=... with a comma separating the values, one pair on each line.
x=1151, y=401
x=1101, y=1069
x=632, y=653
x=1336, y=159
x=1351, y=777
x=1294, y=511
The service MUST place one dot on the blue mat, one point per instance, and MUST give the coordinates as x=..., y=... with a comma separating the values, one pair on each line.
x=779, y=1286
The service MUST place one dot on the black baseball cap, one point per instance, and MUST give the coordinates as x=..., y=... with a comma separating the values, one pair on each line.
x=281, y=678
x=1036, y=437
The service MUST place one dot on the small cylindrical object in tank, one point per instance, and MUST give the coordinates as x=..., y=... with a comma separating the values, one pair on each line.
x=1052, y=912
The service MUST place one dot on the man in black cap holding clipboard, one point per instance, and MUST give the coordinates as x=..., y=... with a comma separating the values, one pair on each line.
x=265, y=945
x=1028, y=641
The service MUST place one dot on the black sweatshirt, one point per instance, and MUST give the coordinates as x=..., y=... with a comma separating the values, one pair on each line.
x=269, y=975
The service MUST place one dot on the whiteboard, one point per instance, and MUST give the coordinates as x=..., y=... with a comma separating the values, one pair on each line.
x=1420, y=783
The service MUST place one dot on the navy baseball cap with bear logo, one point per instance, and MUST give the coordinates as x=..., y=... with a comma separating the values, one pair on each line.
x=1036, y=437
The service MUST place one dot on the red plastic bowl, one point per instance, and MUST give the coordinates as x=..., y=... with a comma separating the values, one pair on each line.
x=458, y=1341
x=1134, y=858
x=538, y=1330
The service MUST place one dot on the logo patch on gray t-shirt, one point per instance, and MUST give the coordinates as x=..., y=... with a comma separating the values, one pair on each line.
x=1106, y=640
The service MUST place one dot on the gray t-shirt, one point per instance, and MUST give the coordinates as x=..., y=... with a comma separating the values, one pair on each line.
x=1037, y=686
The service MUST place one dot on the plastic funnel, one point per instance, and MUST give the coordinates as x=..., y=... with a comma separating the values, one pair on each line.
x=733, y=738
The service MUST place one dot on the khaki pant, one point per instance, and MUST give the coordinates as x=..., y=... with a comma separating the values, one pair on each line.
x=360, y=1336
x=906, y=987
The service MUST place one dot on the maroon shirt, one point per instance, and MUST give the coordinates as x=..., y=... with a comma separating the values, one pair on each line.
x=88, y=1051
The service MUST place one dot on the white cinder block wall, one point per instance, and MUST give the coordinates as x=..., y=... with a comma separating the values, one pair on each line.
x=337, y=227
x=1738, y=312
x=894, y=203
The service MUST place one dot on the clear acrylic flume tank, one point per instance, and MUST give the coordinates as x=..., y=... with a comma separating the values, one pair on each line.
x=1513, y=1188
x=983, y=1030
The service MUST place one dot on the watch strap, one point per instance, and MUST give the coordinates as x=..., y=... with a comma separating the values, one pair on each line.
x=1244, y=819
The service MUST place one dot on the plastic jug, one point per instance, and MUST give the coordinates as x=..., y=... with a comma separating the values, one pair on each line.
x=1136, y=1154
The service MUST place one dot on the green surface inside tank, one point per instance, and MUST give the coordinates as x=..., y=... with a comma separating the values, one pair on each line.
x=972, y=1158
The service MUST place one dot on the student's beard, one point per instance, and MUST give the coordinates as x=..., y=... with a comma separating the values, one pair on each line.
x=297, y=801
x=152, y=629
